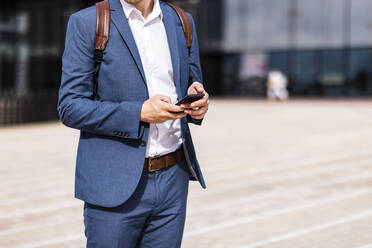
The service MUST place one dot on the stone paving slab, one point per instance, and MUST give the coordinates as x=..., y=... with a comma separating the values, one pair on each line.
x=295, y=174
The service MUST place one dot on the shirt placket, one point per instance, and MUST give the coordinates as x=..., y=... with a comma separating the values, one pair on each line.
x=149, y=66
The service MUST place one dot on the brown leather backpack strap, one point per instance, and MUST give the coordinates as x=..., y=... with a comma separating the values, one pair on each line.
x=102, y=36
x=103, y=24
x=186, y=23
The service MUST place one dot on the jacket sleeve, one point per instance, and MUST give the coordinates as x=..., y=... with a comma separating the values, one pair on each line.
x=76, y=106
x=195, y=67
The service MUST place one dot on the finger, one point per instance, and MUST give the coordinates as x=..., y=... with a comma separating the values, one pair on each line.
x=172, y=108
x=195, y=88
x=164, y=98
x=186, y=105
x=200, y=103
x=192, y=108
x=192, y=90
x=196, y=83
x=198, y=112
x=198, y=87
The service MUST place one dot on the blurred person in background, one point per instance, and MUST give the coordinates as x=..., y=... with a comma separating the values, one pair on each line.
x=277, y=86
x=135, y=156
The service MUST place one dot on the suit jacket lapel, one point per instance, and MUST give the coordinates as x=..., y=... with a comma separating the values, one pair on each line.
x=120, y=21
x=170, y=29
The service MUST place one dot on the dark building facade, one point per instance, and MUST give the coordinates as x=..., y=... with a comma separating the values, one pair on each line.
x=324, y=48
x=32, y=37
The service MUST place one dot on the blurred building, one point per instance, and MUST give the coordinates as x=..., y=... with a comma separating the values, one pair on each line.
x=324, y=48
x=32, y=35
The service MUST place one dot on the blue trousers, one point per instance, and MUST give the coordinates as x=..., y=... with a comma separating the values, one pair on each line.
x=153, y=217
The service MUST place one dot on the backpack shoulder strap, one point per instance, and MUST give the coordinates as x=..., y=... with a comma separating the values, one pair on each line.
x=103, y=24
x=187, y=30
x=102, y=36
x=186, y=23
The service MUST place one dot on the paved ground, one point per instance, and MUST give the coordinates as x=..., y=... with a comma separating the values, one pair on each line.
x=296, y=174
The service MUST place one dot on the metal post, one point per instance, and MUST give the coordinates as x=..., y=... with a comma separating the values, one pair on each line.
x=292, y=26
x=347, y=44
x=292, y=23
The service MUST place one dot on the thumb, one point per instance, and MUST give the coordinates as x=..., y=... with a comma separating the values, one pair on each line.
x=192, y=90
x=198, y=87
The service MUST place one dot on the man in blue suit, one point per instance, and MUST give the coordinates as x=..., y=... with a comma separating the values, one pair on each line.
x=135, y=155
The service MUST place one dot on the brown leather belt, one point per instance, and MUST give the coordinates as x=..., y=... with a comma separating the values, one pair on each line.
x=163, y=162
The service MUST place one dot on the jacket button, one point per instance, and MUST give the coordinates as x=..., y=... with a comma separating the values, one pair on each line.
x=143, y=143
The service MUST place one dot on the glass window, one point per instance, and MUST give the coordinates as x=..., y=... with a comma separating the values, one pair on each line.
x=279, y=61
x=305, y=70
x=360, y=72
x=209, y=20
x=236, y=16
x=320, y=23
x=304, y=67
x=275, y=21
x=252, y=24
x=332, y=76
x=32, y=35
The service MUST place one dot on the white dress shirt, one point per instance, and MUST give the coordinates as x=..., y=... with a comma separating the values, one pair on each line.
x=152, y=44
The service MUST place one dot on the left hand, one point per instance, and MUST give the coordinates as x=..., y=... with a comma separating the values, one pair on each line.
x=197, y=109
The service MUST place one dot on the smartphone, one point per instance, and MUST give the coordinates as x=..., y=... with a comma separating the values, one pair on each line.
x=190, y=98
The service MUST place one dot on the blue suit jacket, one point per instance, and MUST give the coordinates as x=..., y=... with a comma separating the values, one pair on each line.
x=112, y=142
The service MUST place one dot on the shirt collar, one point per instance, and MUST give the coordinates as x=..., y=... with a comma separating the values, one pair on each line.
x=129, y=9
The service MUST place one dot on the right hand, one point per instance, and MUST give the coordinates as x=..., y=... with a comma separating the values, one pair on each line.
x=159, y=109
